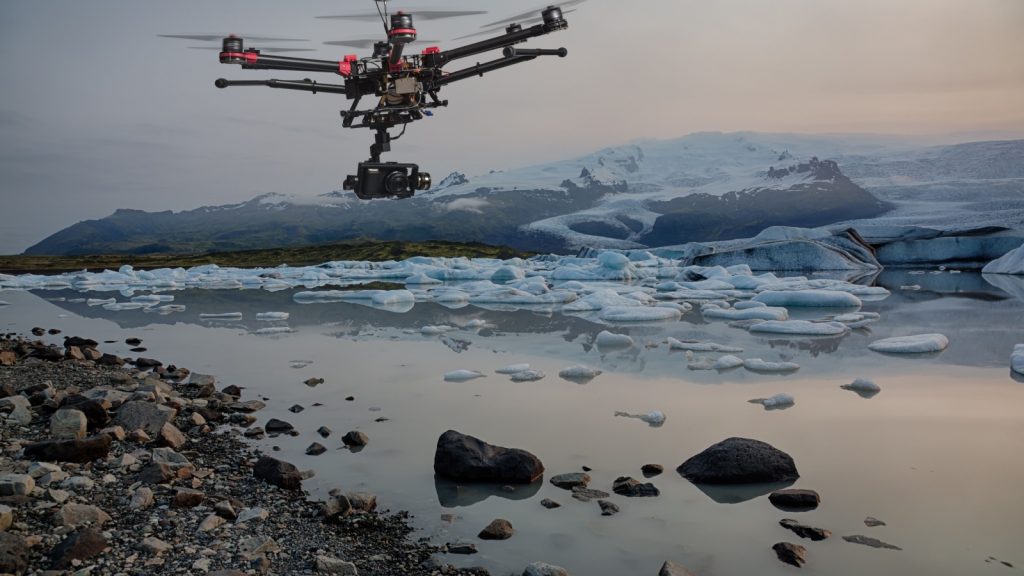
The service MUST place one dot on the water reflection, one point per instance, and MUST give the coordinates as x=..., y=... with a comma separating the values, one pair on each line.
x=737, y=493
x=451, y=494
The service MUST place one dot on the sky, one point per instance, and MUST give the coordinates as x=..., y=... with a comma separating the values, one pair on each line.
x=97, y=112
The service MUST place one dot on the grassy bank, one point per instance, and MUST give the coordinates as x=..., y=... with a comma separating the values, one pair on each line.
x=295, y=256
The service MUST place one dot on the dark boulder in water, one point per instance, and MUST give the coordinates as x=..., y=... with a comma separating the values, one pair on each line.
x=739, y=461
x=463, y=457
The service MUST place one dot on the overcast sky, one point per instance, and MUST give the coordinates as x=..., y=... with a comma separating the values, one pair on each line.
x=97, y=112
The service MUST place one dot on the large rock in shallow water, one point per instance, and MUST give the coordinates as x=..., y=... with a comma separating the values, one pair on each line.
x=463, y=457
x=739, y=461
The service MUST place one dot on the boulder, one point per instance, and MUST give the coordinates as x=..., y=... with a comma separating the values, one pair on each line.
x=145, y=415
x=355, y=438
x=739, y=461
x=13, y=554
x=16, y=485
x=649, y=470
x=498, y=529
x=275, y=426
x=465, y=458
x=6, y=517
x=80, y=451
x=608, y=508
x=315, y=449
x=331, y=565
x=142, y=498
x=362, y=501
x=95, y=411
x=337, y=506
x=187, y=498
x=78, y=546
x=795, y=498
x=171, y=437
x=156, y=473
x=279, y=473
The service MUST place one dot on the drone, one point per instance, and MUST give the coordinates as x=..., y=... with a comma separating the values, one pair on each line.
x=405, y=87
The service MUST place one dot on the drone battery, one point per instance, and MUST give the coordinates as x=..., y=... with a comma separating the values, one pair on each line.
x=405, y=85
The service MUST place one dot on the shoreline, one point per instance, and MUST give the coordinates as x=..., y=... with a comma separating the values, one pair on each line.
x=170, y=486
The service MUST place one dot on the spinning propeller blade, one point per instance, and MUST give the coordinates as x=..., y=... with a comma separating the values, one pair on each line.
x=219, y=37
x=522, y=22
x=369, y=42
x=419, y=14
x=533, y=14
x=266, y=48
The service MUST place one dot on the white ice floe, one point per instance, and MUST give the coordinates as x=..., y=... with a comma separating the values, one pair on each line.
x=530, y=375
x=857, y=319
x=391, y=297
x=513, y=368
x=271, y=316
x=759, y=365
x=702, y=363
x=270, y=331
x=775, y=402
x=862, y=385
x=100, y=301
x=420, y=279
x=639, y=313
x=675, y=344
x=1010, y=263
x=800, y=327
x=168, y=308
x=727, y=362
x=1017, y=359
x=756, y=313
x=151, y=299
x=654, y=418
x=578, y=373
x=916, y=344
x=609, y=340
x=809, y=298
x=748, y=304
x=435, y=330
x=221, y=316
x=119, y=306
x=462, y=375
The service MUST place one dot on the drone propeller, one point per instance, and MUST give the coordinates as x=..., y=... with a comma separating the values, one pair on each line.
x=522, y=22
x=420, y=15
x=267, y=48
x=368, y=42
x=219, y=37
x=530, y=16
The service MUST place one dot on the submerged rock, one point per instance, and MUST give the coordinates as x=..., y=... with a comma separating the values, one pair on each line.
x=498, y=529
x=463, y=457
x=795, y=498
x=739, y=461
x=869, y=541
x=571, y=480
x=790, y=553
x=626, y=486
x=805, y=531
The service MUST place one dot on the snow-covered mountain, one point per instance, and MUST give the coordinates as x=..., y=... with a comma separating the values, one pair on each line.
x=707, y=186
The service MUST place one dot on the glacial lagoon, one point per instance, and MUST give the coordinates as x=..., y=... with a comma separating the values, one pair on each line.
x=935, y=454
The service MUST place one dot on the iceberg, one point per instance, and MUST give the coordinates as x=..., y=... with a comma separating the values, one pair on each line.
x=757, y=313
x=809, y=298
x=528, y=375
x=639, y=313
x=513, y=368
x=579, y=373
x=273, y=330
x=727, y=362
x=1010, y=263
x=916, y=344
x=610, y=340
x=759, y=365
x=776, y=402
x=272, y=316
x=863, y=387
x=462, y=375
x=800, y=327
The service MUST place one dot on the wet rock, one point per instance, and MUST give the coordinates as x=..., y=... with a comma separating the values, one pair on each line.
x=295, y=409
x=146, y=363
x=132, y=341
x=188, y=498
x=362, y=501
x=337, y=506
x=549, y=503
x=275, y=426
x=6, y=517
x=109, y=360
x=16, y=485
x=670, y=568
x=588, y=494
x=156, y=473
x=13, y=554
x=254, y=432
x=323, y=431
x=232, y=390
x=626, y=486
x=316, y=449
x=795, y=499
x=79, y=546
x=311, y=382
x=355, y=438
x=148, y=416
x=869, y=541
x=790, y=553
x=739, y=461
x=155, y=546
x=331, y=565
x=171, y=437
x=72, y=514
x=68, y=423
x=544, y=569
x=608, y=508
x=650, y=470
x=498, y=529
x=74, y=353
x=279, y=473
x=571, y=480
x=95, y=410
x=142, y=498
x=871, y=522
x=250, y=514
x=463, y=457
x=461, y=548
x=805, y=531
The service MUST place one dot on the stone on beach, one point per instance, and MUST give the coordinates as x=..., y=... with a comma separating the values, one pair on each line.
x=739, y=461
x=277, y=472
x=544, y=569
x=79, y=451
x=466, y=458
x=498, y=529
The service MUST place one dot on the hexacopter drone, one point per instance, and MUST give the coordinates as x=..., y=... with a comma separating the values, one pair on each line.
x=406, y=87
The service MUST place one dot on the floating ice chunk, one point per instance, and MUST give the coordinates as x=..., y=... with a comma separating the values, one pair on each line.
x=100, y=302
x=421, y=278
x=761, y=313
x=513, y=368
x=613, y=260
x=269, y=316
x=435, y=330
x=579, y=373
x=727, y=362
x=1010, y=263
x=392, y=297
x=862, y=386
x=462, y=375
x=681, y=306
x=1017, y=359
x=809, y=298
x=654, y=418
x=669, y=286
x=703, y=363
x=916, y=344
x=759, y=365
x=117, y=306
x=221, y=316
x=508, y=274
x=530, y=375
x=870, y=293
x=475, y=323
x=674, y=344
x=802, y=327
x=599, y=299
x=711, y=284
x=151, y=299
x=639, y=313
x=857, y=319
x=747, y=304
x=608, y=340
x=776, y=402
x=170, y=308
x=273, y=330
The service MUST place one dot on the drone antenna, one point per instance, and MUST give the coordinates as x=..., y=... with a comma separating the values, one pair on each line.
x=383, y=14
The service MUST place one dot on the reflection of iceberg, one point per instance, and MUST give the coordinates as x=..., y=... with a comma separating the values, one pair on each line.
x=1012, y=285
x=451, y=494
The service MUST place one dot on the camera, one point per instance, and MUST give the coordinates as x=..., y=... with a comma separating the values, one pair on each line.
x=386, y=179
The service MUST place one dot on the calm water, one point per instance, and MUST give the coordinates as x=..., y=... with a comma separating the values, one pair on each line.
x=936, y=455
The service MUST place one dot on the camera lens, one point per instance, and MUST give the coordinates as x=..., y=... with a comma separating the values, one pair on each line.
x=422, y=180
x=396, y=182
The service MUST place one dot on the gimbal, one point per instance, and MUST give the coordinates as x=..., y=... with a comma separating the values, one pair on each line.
x=407, y=87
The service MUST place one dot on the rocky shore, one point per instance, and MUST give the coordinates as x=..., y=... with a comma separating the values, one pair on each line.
x=113, y=465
